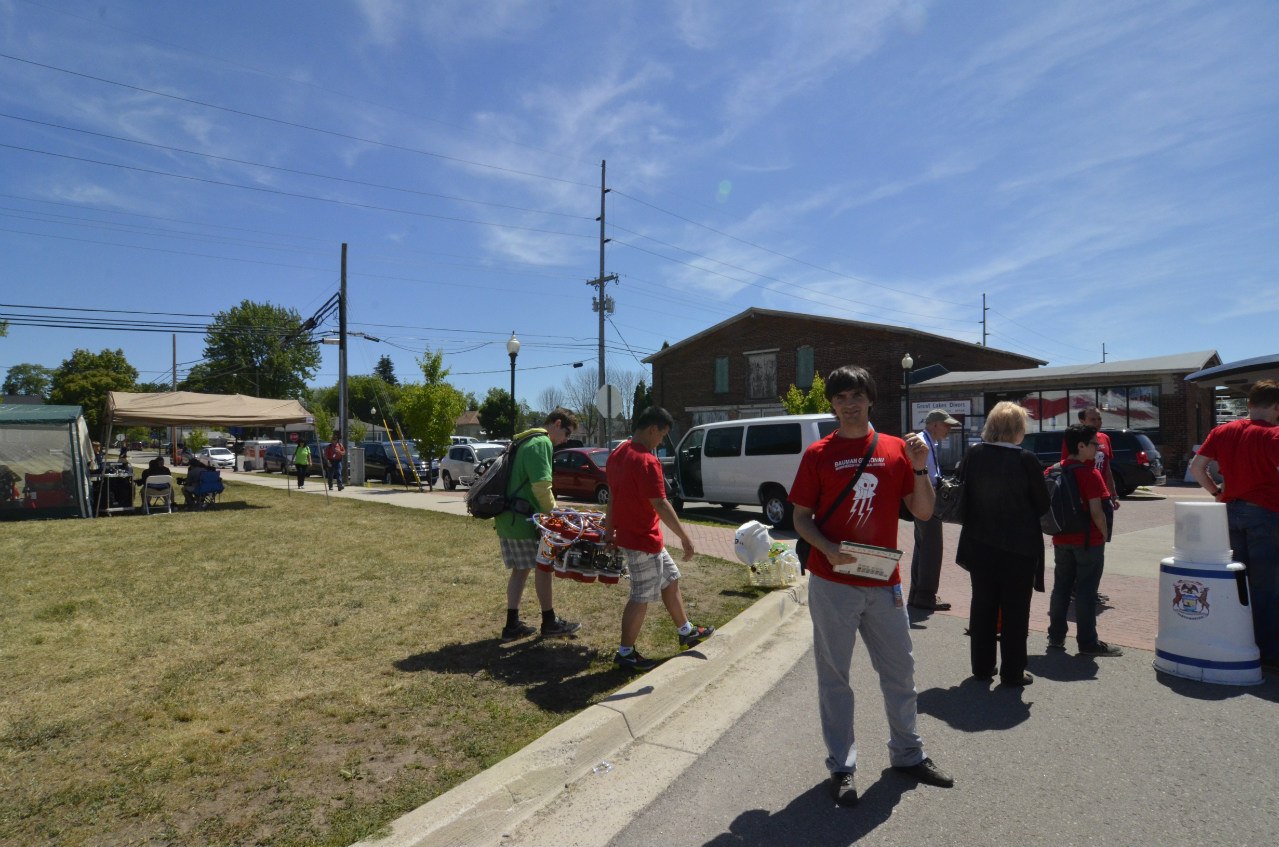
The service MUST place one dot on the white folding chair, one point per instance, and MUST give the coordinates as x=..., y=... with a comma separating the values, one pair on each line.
x=157, y=491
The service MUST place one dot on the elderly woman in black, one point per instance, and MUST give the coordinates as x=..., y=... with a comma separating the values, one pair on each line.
x=1001, y=545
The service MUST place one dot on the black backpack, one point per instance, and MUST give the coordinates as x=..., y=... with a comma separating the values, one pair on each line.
x=1067, y=513
x=486, y=498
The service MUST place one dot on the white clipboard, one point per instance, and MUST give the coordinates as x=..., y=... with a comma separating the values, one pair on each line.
x=872, y=562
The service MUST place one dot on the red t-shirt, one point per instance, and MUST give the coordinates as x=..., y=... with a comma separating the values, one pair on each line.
x=634, y=479
x=1105, y=453
x=1247, y=452
x=1092, y=486
x=869, y=513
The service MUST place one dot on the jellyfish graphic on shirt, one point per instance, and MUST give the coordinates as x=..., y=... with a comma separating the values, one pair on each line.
x=863, y=499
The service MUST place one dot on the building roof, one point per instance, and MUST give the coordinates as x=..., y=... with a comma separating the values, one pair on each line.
x=470, y=417
x=755, y=312
x=1179, y=363
x=24, y=413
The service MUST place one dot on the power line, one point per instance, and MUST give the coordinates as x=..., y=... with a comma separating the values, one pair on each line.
x=282, y=122
x=298, y=172
x=293, y=194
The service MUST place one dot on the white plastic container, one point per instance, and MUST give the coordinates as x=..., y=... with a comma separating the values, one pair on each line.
x=1205, y=630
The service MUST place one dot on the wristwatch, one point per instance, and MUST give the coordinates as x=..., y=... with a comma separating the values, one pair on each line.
x=921, y=472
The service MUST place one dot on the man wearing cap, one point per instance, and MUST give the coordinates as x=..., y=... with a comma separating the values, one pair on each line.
x=925, y=565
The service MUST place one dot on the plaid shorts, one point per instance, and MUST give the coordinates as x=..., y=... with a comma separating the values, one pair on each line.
x=518, y=554
x=650, y=573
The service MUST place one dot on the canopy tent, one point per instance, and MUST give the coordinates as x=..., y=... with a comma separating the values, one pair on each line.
x=185, y=408
x=44, y=462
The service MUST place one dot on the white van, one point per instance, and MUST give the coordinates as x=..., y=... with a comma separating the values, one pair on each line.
x=254, y=451
x=747, y=462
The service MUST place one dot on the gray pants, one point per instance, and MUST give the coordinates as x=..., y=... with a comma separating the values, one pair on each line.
x=925, y=565
x=839, y=613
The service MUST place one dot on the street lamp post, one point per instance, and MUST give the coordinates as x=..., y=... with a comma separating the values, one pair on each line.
x=907, y=364
x=513, y=349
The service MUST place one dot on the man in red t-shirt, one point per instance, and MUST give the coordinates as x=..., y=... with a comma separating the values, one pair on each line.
x=1247, y=452
x=843, y=605
x=1079, y=557
x=637, y=507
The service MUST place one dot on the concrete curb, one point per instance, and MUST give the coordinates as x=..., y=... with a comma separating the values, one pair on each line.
x=491, y=803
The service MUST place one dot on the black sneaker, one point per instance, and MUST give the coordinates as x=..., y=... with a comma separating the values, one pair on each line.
x=695, y=637
x=1101, y=648
x=633, y=661
x=517, y=630
x=843, y=788
x=928, y=773
x=559, y=628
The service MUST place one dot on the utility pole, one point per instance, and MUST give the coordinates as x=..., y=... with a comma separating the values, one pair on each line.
x=1103, y=352
x=342, y=416
x=173, y=430
x=984, y=310
x=603, y=303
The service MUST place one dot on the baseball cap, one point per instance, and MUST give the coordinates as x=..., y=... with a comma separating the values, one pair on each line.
x=940, y=416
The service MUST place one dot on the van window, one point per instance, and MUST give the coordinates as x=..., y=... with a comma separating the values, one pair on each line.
x=779, y=439
x=723, y=441
x=825, y=428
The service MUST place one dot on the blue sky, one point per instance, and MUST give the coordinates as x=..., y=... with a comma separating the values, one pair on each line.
x=1106, y=173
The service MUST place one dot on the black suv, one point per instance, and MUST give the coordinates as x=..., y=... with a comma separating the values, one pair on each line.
x=390, y=462
x=1136, y=460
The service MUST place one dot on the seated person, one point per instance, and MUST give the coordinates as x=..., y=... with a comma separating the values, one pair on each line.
x=155, y=467
x=197, y=469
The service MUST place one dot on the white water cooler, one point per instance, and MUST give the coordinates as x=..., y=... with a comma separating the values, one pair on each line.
x=1205, y=626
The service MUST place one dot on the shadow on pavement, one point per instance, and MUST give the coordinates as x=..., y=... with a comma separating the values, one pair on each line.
x=1209, y=691
x=813, y=819
x=1062, y=666
x=974, y=706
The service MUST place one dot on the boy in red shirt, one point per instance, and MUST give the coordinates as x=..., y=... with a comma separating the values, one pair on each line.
x=1079, y=557
x=637, y=508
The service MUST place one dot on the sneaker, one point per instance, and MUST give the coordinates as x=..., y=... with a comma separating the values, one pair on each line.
x=1101, y=648
x=517, y=630
x=695, y=637
x=843, y=788
x=559, y=628
x=633, y=661
x=1103, y=598
x=1018, y=682
x=1056, y=644
x=928, y=773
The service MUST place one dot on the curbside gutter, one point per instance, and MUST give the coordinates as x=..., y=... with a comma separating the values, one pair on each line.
x=496, y=800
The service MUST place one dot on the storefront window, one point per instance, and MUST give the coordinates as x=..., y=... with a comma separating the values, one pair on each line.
x=1143, y=407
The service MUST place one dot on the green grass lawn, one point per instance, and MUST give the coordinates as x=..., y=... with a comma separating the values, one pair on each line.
x=279, y=670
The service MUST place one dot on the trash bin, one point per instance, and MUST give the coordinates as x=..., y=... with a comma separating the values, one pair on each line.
x=1205, y=621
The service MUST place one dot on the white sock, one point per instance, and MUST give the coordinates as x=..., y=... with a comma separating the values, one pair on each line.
x=686, y=628
x=624, y=651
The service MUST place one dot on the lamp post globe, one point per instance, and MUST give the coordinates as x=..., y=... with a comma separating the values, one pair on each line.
x=513, y=350
x=907, y=364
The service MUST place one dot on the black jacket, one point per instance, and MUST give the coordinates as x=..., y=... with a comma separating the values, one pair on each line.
x=1004, y=495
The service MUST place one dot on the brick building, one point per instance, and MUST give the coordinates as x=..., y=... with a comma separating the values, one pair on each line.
x=741, y=366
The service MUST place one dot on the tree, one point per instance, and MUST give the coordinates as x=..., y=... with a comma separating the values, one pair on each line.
x=550, y=398
x=430, y=410
x=28, y=379
x=642, y=400
x=580, y=391
x=814, y=402
x=85, y=378
x=385, y=370
x=258, y=349
x=153, y=387
x=196, y=440
x=495, y=413
x=626, y=382
x=363, y=395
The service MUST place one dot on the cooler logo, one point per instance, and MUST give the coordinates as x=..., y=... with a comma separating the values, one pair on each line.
x=1190, y=599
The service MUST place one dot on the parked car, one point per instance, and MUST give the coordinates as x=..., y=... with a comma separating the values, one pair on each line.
x=463, y=439
x=747, y=462
x=254, y=449
x=1136, y=461
x=396, y=462
x=218, y=457
x=279, y=457
x=458, y=465
x=579, y=472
